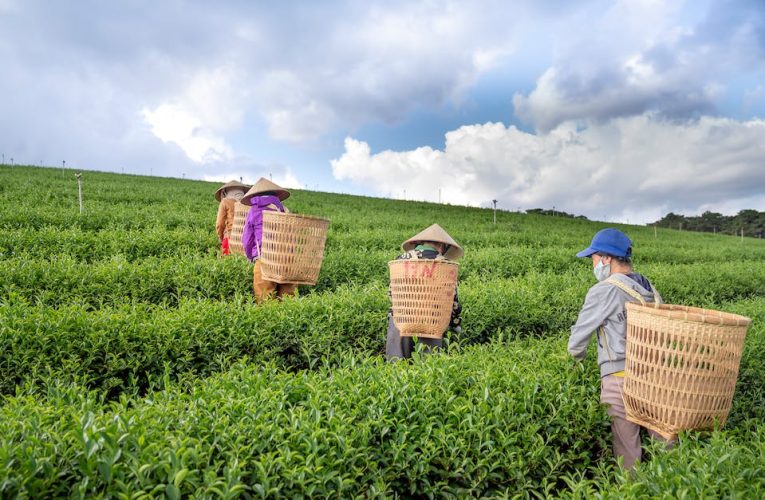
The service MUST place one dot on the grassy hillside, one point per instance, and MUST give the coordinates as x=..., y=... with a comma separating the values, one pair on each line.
x=134, y=359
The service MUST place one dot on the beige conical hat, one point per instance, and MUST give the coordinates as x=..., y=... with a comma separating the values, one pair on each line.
x=265, y=186
x=435, y=233
x=228, y=185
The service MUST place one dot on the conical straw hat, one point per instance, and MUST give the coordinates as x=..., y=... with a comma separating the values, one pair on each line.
x=435, y=233
x=265, y=186
x=229, y=185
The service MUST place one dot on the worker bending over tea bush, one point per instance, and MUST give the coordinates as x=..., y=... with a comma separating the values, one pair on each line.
x=433, y=244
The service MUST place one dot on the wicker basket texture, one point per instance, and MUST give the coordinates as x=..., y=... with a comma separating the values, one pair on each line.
x=293, y=247
x=235, y=239
x=422, y=296
x=681, y=366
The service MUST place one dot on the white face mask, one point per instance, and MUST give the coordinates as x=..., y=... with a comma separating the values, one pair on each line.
x=233, y=194
x=602, y=271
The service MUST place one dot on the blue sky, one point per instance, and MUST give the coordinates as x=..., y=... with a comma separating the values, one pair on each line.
x=618, y=110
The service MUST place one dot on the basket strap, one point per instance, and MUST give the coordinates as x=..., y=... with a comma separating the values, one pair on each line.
x=635, y=295
x=602, y=331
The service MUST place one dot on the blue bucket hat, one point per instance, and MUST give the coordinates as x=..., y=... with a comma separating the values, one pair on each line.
x=609, y=241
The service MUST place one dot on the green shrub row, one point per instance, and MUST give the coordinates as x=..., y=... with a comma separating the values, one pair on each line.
x=716, y=466
x=62, y=279
x=124, y=346
x=88, y=246
x=498, y=419
x=514, y=419
x=135, y=243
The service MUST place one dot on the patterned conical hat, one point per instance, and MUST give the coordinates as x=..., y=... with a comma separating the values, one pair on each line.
x=265, y=186
x=229, y=185
x=435, y=233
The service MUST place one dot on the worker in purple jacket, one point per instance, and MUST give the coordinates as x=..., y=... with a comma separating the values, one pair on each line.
x=264, y=195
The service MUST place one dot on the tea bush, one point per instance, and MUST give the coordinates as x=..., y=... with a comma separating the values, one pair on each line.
x=469, y=424
x=133, y=361
x=509, y=418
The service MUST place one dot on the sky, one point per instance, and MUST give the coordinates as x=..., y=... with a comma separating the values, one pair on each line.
x=617, y=110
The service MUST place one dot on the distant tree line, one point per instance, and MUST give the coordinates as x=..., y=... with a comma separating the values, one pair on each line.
x=556, y=213
x=751, y=221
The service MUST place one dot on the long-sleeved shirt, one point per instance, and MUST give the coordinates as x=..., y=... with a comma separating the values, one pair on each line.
x=224, y=222
x=252, y=235
x=603, y=311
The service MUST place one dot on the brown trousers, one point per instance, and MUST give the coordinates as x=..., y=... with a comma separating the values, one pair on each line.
x=626, y=434
x=265, y=289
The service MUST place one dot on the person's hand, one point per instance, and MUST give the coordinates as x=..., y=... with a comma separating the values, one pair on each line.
x=576, y=364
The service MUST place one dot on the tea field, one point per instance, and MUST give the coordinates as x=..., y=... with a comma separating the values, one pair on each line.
x=135, y=364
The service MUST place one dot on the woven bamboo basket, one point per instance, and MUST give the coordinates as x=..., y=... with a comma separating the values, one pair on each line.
x=422, y=296
x=681, y=366
x=235, y=238
x=293, y=247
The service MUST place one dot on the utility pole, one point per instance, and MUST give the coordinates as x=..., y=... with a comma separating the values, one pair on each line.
x=495, y=211
x=404, y=194
x=655, y=234
x=63, y=167
x=79, y=188
x=439, y=195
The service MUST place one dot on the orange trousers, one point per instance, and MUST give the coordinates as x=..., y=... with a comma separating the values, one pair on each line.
x=265, y=289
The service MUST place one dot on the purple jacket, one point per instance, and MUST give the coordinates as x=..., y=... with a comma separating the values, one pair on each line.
x=253, y=225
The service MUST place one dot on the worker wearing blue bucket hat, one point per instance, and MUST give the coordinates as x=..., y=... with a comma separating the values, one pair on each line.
x=604, y=313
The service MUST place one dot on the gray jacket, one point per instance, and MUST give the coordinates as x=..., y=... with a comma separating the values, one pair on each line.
x=603, y=311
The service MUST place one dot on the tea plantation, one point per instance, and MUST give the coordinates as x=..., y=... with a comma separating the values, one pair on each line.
x=135, y=364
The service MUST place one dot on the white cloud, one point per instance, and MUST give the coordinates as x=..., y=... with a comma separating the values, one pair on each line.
x=197, y=119
x=173, y=123
x=378, y=63
x=635, y=168
x=292, y=112
x=188, y=90
x=639, y=57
